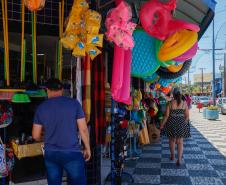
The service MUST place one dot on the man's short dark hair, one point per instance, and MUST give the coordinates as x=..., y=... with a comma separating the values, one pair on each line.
x=54, y=84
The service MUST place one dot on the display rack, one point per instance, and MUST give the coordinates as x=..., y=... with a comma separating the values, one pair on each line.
x=117, y=172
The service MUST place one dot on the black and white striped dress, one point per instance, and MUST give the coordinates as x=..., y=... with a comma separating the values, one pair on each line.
x=176, y=126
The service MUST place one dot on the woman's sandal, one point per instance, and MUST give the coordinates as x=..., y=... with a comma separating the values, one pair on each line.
x=172, y=157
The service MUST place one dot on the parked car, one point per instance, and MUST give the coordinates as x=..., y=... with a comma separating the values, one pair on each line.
x=195, y=100
x=204, y=100
x=223, y=106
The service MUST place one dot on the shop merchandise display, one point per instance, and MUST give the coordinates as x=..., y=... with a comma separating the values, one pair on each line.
x=6, y=113
x=34, y=5
x=6, y=153
x=119, y=26
x=82, y=31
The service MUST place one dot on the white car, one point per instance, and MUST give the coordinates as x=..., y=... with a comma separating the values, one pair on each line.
x=204, y=100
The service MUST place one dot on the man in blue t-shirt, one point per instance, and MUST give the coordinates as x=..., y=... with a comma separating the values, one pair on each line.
x=61, y=118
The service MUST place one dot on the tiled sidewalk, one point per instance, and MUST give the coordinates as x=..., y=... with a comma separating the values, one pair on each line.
x=204, y=159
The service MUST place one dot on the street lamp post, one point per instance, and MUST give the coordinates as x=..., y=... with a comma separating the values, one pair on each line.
x=213, y=53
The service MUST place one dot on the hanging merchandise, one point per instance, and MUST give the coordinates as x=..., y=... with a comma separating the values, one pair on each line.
x=137, y=97
x=79, y=79
x=120, y=87
x=158, y=44
x=165, y=90
x=144, y=61
x=34, y=5
x=157, y=19
x=166, y=82
x=3, y=167
x=177, y=44
x=6, y=114
x=98, y=99
x=164, y=73
x=175, y=68
x=82, y=31
x=86, y=87
x=158, y=86
x=152, y=78
x=119, y=26
x=188, y=54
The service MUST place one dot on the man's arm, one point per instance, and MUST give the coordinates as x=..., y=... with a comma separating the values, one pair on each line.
x=83, y=130
x=37, y=132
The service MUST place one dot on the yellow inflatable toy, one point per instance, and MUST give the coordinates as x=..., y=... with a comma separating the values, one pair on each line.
x=82, y=31
x=177, y=44
x=175, y=68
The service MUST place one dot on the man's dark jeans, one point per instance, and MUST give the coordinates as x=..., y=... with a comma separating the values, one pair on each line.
x=72, y=162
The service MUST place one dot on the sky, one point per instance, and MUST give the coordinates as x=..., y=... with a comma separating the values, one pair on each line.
x=203, y=59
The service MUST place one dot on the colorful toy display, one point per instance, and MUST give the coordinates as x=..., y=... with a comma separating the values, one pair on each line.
x=188, y=54
x=158, y=44
x=34, y=5
x=119, y=27
x=144, y=61
x=175, y=68
x=151, y=78
x=177, y=44
x=157, y=20
x=6, y=114
x=82, y=31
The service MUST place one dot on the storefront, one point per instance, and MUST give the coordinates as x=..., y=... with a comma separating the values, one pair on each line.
x=118, y=77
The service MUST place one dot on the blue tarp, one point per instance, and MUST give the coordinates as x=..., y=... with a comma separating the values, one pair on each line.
x=211, y=4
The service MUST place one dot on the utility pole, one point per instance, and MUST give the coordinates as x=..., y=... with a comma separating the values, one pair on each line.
x=202, y=68
x=214, y=78
x=224, y=76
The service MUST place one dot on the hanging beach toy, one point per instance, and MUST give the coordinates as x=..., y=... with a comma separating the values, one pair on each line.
x=6, y=114
x=34, y=5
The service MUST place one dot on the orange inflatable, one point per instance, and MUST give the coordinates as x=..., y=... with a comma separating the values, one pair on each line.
x=165, y=90
x=177, y=44
x=34, y=5
x=157, y=86
x=175, y=68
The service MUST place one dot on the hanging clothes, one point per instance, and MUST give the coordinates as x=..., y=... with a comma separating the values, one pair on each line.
x=86, y=87
x=98, y=98
x=79, y=80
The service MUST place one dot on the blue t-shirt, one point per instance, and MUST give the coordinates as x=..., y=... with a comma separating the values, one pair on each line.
x=59, y=116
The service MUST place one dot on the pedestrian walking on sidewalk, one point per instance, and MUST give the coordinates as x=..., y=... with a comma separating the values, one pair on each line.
x=60, y=117
x=175, y=124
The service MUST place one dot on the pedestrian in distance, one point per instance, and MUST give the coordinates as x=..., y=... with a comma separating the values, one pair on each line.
x=61, y=118
x=175, y=124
